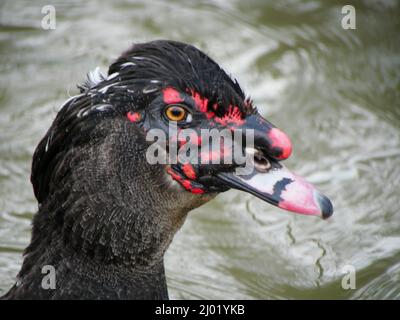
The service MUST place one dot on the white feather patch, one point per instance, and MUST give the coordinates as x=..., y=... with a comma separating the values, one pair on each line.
x=95, y=77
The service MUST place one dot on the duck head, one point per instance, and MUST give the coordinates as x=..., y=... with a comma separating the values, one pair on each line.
x=164, y=101
x=125, y=160
x=177, y=96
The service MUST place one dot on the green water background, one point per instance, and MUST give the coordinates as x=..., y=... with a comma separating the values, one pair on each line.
x=335, y=92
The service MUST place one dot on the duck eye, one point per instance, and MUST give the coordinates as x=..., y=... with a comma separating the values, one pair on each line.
x=176, y=113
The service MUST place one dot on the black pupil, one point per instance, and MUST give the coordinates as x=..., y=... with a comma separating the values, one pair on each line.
x=177, y=112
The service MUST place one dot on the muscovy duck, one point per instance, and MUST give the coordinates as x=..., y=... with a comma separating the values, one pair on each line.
x=106, y=215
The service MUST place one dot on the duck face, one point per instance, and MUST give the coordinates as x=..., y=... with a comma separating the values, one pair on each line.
x=199, y=165
x=190, y=101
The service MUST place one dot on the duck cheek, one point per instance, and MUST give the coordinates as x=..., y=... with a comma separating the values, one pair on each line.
x=188, y=184
x=189, y=171
x=192, y=187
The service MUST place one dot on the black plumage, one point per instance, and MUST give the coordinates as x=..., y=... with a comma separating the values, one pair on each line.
x=105, y=215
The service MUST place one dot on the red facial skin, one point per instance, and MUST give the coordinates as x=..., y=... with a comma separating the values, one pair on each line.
x=188, y=170
x=197, y=191
x=280, y=140
x=189, y=185
x=201, y=103
x=210, y=156
x=233, y=119
x=171, y=96
x=217, y=156
x=233, y=116
x=134, y=116
x=194, y=138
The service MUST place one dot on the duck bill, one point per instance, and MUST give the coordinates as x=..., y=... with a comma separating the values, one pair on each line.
x=282, y=188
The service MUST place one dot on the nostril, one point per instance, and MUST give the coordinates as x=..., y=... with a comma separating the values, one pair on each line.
x=259, y=159
x=261, y=162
